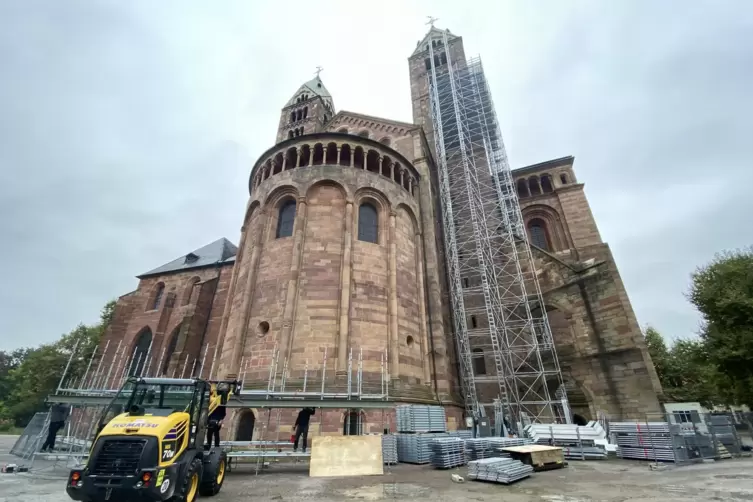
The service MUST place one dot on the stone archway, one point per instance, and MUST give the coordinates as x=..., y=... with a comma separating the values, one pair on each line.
x=245, y=429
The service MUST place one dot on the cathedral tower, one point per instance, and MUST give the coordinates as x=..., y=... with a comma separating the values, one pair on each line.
x=307, y=111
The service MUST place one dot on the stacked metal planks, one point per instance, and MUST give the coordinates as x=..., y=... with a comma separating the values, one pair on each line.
x=498, y=470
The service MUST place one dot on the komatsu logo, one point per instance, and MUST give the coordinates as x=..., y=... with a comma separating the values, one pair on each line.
x=135, y=425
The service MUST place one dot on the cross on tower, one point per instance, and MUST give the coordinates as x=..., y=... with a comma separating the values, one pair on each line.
x=318, y=70
x=432, y=20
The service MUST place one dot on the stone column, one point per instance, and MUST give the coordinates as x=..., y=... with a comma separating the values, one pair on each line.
x=291, y=297
x=300, y=155
x=380, y=164
x=394, y=347
x=352, y=157
x=238, y=336
x=422, y=308
x=229, y=301
x=345, y=270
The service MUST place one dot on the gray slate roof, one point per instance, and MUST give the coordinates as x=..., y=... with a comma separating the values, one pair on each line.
x=219, y=251
x=316, y=87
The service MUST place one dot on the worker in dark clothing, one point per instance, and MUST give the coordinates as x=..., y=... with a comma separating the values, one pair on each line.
x=214, y=425
x=302, y=427
x=58, y=415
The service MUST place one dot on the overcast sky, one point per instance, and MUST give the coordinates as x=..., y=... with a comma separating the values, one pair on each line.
x=128, y=128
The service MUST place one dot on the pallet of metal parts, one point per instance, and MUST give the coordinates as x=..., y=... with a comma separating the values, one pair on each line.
x=389, y=449
x=420, y=418
x=567, y=434
x=584, y=452
x=498, y=470
x=477, y=448
x=497, y=444
x=465, y=434
x=415, y=448
x=447, y=452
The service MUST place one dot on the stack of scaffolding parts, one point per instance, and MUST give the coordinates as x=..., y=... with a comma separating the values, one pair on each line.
x=491, y=447
x=418, y=418
x=389, y=449
x=498, y=470
x=657, y=441
x=447, y=452
x=587, y=442
x=416, y=448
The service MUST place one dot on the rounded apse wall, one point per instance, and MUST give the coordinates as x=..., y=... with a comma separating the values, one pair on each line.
x=330, y=262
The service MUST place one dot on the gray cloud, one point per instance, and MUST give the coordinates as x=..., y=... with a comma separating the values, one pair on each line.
x=129, y=128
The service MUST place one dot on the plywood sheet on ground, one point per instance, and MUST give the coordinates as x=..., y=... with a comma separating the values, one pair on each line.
x=346, y=456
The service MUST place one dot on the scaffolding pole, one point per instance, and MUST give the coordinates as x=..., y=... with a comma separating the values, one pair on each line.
x=497, y=306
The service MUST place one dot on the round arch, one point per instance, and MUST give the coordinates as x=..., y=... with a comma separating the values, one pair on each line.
x=140, y=352
x=244, y=428
x=555, y=230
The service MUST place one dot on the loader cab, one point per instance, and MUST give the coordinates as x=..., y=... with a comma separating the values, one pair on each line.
x=160, y=397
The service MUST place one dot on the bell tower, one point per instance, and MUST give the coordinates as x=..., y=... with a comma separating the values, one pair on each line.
x=307, y=111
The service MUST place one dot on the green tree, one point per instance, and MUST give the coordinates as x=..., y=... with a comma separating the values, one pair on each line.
x=685, y=370
x=36, y=373
x=722, y=291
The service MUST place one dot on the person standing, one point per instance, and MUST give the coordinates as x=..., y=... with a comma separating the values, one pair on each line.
x=58, y=415
x=302, y=427
x=214, y=426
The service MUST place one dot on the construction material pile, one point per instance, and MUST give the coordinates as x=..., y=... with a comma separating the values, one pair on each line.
x=447, y=452
x=421, y=418
x=414, y=448
x=498, y=470
x=648, y=440
x=477, y=448
x=389, y=449
x=491, y=447
x=578, y=442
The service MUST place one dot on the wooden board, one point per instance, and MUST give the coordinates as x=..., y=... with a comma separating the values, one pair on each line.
x=540, y=457
x=346, y=456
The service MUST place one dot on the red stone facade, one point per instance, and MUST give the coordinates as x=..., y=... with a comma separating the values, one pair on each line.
x=327, y=282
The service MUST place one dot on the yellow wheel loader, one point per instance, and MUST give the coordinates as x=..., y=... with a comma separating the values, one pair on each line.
x=150, y=444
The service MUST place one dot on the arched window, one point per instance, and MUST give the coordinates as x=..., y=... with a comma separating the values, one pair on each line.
x=546, y=184
x=292, y=116
x=305, y=111
x=170, y=350
x=352, y=423
x=479, y=364
x=286, y=219
x=140, y=353
x=368, y=223
x=290, y=134
x=343, y=130
x=157, y=297
x=364, y=134
x=190, y=293
x=537, y=230
x=563, y=178
x=385, y=141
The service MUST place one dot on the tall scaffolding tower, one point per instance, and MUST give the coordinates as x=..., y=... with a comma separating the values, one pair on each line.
x=497, y=307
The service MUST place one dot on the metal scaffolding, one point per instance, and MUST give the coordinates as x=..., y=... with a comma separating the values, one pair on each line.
x=497, y=307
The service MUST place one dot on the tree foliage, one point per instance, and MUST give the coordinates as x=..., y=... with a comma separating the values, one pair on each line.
x=722, y=291
x=28, y=376
x=685, y=370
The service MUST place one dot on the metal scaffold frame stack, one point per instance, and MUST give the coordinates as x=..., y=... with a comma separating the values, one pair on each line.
x=493, y=284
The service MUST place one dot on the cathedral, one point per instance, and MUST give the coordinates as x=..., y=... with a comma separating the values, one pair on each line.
x=340, y=255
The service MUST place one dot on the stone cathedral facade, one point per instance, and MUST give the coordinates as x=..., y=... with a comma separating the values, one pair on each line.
x=340, y=256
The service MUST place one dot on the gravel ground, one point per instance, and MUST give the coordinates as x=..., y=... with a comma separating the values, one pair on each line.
x=613, y=481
